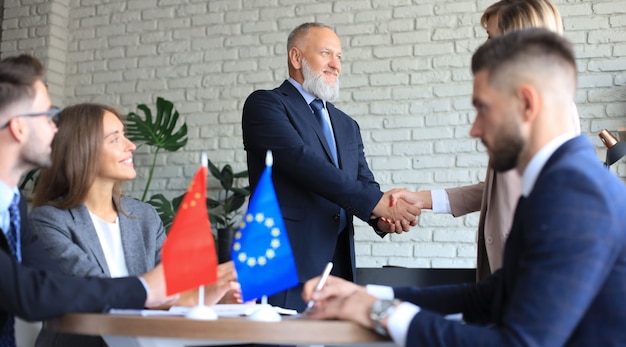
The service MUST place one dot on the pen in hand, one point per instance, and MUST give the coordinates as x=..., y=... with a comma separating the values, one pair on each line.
x=320, y=284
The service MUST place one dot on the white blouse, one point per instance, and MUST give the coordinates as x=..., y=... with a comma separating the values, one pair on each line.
x=111, y=242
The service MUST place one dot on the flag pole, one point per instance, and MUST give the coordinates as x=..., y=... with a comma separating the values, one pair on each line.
x=201, y=311
x=269, y=158
x=201, y=296
x=204, y=161
x=265, y=312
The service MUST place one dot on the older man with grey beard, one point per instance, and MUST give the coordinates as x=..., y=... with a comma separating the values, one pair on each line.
x=320, y=174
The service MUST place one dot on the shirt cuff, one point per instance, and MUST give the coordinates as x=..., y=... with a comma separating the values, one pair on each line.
x=441, y=203
x=380, y=292
x=145, y=286
x=399, y=322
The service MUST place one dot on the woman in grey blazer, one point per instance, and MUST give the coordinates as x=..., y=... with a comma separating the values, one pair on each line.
x=79, y=212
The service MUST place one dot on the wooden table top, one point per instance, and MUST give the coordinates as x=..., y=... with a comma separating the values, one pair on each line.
x=291, y=330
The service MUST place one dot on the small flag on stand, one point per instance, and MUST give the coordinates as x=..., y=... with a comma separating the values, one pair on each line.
x=189, y=258
x=261, y=250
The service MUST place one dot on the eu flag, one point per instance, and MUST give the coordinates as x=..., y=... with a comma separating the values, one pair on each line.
x=261, y=250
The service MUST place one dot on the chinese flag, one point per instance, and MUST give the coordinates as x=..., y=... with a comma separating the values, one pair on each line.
x=189, y=258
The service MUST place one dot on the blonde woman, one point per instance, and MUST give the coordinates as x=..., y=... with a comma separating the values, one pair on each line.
x=497, y=196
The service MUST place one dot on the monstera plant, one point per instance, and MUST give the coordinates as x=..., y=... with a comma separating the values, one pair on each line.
x=158, y=130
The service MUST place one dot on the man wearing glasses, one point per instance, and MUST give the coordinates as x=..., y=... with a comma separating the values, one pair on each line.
x=29, y=288
x=52, y=114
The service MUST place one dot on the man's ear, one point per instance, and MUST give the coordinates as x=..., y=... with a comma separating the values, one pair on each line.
x=17, y=128
x=530, y=101
x=295, y=58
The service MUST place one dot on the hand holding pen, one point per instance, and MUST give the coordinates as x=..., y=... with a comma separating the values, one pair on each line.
x=321, y=293
x=320, y=284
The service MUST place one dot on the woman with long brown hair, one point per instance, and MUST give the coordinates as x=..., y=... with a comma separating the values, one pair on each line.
x=83, y=219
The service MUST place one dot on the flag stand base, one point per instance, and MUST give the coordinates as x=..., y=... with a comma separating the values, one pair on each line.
x=201, y=313
x=265, y=313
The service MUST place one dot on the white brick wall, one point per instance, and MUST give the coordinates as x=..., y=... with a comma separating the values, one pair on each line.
x=406, y=80
x=39, y=27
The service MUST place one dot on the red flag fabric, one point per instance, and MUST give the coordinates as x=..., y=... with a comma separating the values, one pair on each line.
x=188, y=254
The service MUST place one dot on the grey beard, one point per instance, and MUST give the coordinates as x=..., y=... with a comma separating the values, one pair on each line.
x=315, y=84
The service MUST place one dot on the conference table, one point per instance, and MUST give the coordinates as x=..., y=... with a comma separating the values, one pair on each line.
x=177, y=331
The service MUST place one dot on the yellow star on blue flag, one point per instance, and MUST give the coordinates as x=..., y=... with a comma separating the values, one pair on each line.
x=261, y=250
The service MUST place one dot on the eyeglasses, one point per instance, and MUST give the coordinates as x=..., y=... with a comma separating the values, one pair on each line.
x=52, y=114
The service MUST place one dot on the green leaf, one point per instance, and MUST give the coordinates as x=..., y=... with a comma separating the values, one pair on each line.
x=31, y=175
x=216, y=219
x=241, y=174
x=224, y=210
x=215, y=172
x=227, y=177
x=237, y=202
x=164, y=208
x=210, y=203
x=241, y=191
x=160, y=132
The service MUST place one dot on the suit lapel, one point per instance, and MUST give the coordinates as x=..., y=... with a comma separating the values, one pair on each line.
x=89, y=236
x=337, y=129
x=4, y=244
x=512, y=253
x=132, y=243
x=306, y=115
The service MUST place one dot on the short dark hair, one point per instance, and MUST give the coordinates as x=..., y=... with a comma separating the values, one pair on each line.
x=18, y=75
x=523, y=46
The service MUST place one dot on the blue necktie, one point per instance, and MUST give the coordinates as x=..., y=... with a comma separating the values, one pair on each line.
x=318, y=106
x=13, y=236
x=7, y=337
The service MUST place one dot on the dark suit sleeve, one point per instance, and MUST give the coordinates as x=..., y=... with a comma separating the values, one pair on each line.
x=473, y=300
x=37, y=295
x=267, y=125
x=569, y=241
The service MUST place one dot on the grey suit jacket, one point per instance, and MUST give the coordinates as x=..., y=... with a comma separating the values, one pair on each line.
x=70, y=238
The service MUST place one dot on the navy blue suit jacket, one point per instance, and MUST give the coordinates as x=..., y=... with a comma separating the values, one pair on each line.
x=563, y=281
x=309, y=187
x=29, y=293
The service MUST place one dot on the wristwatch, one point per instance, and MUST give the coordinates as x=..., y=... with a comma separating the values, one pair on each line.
x=379, y=310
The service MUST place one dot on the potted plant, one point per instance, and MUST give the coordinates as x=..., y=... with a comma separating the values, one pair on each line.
x=224, y=210
x=158, y=132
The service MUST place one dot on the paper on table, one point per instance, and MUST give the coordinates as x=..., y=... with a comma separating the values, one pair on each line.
x=144, y=313
x=222, y=310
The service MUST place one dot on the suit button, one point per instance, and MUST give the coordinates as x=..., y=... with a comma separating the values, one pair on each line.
x=489, y=240
x=336, y=217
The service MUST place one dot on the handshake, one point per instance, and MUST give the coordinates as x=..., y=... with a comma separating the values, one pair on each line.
x=398, y=209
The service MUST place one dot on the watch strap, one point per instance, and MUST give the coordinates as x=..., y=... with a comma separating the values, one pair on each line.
x=380, y=310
